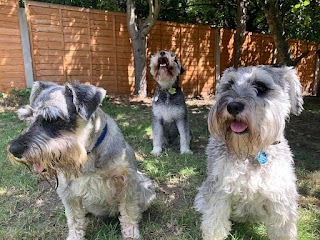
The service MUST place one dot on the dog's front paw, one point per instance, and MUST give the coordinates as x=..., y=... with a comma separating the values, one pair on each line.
x=130, y=233
x=75, y=237
x=156, y=151
x=186, y=151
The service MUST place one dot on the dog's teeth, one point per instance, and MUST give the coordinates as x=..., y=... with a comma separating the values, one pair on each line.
x=163, y=65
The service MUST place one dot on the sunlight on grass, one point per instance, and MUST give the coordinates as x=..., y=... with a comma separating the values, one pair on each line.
x=188, y=171
x=3, y=191
x=308, y=224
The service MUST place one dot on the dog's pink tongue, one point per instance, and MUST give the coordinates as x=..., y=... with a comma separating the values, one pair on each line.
x=38, y=167
x=238, y=127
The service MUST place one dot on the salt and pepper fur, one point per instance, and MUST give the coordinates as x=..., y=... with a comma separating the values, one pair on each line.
x=169, y=109
x=238, y=187
x=64, y=125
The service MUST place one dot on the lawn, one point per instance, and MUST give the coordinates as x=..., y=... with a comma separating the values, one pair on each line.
x=30, y=209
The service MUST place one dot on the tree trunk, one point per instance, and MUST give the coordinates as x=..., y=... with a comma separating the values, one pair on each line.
x=138, y=30
x=140, y=69
x=275, y=24
x=240, y=33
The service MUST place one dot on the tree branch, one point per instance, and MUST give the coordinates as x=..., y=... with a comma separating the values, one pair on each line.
x=154, y=9
x=298, y=59
x=131, y=19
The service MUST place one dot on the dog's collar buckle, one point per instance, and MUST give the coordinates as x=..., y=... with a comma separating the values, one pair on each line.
x=100, y=138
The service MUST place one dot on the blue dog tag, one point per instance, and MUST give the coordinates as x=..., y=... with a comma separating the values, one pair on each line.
x=262, y=158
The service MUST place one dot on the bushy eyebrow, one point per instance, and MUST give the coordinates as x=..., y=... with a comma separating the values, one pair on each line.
x=52, y=113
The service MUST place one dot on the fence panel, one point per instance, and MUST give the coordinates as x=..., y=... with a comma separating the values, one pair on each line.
x=12, y=73
x=91, y=46
x=260, y=49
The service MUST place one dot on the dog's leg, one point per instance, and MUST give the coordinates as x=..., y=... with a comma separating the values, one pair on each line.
x=76, y=218
x=282, y=222
x=74, y=210
x=129, y=218
x=184, y=132
x=215, y=210
x=157, y=135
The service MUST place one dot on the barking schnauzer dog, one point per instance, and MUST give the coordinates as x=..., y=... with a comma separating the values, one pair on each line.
x=71, y=138
x=169, y=109
x=250, y=167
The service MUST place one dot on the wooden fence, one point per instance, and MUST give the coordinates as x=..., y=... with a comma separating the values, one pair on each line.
x=260, y=49
x=11, y=58
x=94, y=47
x=76, y=43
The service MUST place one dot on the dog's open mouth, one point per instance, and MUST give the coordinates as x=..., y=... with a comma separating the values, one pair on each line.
x=238, y=127
x=163, y=62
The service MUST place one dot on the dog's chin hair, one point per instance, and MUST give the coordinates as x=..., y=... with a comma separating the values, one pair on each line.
x=64, y=154
x=165, y=79
x=239, y=145
x=242, y=145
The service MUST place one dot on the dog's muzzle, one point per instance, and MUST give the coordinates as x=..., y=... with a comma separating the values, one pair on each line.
x=17, y=150
x=234, y=108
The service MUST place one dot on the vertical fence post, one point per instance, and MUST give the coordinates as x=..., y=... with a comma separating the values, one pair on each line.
x=25, y=41
x=217, y=57
x=63, y=46
x=115, y=49
x=316, y=82
x=90, y=49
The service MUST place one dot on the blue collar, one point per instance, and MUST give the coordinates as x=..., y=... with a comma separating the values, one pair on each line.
x=100, y=138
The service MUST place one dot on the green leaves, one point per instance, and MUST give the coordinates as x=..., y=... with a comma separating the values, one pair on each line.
x=302, y=4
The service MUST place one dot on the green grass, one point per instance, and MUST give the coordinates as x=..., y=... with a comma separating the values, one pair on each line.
x=29, y=209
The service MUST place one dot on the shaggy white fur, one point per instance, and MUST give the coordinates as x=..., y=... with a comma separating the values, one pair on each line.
x=246, y=126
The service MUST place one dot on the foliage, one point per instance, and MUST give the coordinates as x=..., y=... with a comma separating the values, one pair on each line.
x=305, y=19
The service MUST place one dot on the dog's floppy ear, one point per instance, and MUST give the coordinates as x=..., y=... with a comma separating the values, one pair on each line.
x=86, y=98
x=294, y=90
x=26, y=112
x=38, y=87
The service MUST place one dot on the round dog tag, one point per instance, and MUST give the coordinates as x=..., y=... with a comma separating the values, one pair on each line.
x=262, y=158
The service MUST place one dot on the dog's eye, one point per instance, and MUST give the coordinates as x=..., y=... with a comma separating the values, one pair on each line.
x=52, y=120
x=261, y=88
x=229, y=84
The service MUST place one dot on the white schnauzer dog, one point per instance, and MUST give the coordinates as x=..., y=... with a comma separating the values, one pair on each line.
x=169, y=109
x=70, y=138
x=250, y=173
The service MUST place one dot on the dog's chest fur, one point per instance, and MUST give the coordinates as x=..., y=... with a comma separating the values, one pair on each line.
x=247, y=181
x=169, y=107
x=98, y=193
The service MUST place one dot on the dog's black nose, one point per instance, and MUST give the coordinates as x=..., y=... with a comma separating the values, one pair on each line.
x=234, y=108
x=162, y=53
x=17, y=149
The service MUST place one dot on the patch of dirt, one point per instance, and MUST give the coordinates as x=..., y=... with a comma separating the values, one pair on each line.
x=118, y=100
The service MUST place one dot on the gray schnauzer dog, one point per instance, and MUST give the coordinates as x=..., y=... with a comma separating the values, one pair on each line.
x=169, y=109
x=250, y=173
x=71, y=138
